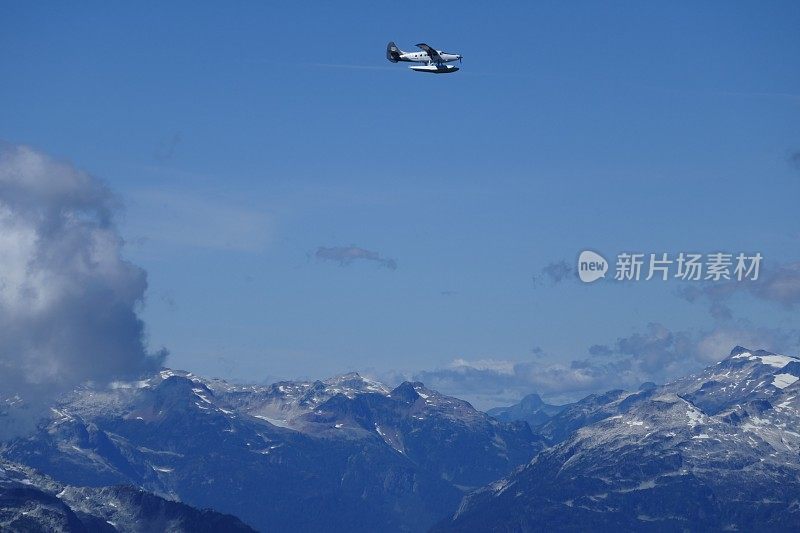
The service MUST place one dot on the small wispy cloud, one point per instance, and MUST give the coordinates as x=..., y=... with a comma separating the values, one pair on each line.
x=537, y=351
x=346, y=255
x=600, y=350
x=350, y=67
x=555, y=272
x=166, y=148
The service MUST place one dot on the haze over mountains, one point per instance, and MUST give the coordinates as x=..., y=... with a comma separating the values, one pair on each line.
x=717, y=450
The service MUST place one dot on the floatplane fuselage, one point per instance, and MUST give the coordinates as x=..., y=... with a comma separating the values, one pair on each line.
x=435, y=61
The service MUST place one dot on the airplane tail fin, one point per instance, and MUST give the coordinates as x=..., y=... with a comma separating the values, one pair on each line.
x=392, y=52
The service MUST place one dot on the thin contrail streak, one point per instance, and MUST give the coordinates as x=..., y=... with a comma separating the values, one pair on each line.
x=354, y=67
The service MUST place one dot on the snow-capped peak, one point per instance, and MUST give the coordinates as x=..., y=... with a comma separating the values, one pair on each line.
x=354, y=383
x=764, y=357
x=745, y=375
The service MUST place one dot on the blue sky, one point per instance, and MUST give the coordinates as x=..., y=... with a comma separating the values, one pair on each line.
x=243, y=137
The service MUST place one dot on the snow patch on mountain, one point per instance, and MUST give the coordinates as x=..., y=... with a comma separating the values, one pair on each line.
x=784, y=380
x=778, y=361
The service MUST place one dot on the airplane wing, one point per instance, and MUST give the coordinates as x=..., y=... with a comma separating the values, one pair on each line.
x=433, y=54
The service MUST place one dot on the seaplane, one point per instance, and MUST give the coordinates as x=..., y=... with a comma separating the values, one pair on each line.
x=435, y=60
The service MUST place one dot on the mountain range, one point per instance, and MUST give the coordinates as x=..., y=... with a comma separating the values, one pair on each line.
x=716, y=450
x=719, y=450
x=293, y=455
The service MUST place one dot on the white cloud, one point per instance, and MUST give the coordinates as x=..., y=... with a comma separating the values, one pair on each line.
x=492, y=365
x=346, y=255
x=67, y=297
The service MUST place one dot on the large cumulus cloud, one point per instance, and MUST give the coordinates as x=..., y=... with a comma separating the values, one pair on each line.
x=68, y=299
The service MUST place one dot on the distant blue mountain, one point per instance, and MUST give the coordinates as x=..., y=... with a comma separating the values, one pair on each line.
x=531, y=409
